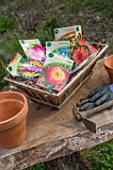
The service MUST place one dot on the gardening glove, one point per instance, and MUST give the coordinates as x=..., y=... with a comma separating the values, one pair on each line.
x=97, y=97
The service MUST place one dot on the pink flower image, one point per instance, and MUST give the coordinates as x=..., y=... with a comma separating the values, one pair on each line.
x=37, y=53
x=55, y=75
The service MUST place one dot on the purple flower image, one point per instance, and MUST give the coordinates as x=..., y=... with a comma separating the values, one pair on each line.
x=29, y=68
x=34, y=68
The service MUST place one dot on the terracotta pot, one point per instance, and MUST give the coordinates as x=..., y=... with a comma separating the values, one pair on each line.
x=13, y=111
x=108, y=63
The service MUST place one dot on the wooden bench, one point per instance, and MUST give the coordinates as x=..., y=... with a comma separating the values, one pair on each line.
x=54, y=133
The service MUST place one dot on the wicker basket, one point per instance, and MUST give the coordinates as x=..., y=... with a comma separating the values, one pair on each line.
x=57, y=100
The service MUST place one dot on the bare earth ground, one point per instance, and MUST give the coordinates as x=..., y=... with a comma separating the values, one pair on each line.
x=37, y=18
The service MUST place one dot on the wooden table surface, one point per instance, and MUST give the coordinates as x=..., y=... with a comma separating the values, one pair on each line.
x=54, y=133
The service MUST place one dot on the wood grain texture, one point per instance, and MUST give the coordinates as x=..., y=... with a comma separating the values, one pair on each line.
x=55, y=133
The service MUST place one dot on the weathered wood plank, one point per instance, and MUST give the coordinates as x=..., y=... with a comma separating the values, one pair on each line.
x=54, y=133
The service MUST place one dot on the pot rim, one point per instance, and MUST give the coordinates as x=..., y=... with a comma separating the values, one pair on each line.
x=105, y=61
x=24, y=105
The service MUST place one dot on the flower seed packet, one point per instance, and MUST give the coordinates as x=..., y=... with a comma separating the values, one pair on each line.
x=82, y=50
x=33, y=49
x=68, y=34
x=23, y=67
x=61, y=48
x=56, y=72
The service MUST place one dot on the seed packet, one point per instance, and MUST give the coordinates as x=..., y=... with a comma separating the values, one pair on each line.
x=33, y=49
x=56, y=72
x=82, y=50
x=61, y=48
x=68, y=34
x=26, y=68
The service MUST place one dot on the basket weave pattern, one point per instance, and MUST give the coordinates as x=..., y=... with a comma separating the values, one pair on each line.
x=57, y=100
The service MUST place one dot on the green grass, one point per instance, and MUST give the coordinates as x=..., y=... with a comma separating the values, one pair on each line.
x=2, y=85
x=40, y=166
x=2, y=70
x=100, y=156
x=2, y=74
x=7, y=23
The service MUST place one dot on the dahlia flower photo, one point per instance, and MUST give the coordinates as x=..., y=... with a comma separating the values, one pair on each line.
x=79, y=55
x=82, y=50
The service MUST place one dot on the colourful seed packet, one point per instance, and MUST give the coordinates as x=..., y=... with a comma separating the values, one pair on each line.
x=33, y=49
x=56, y=73
x=26, y=68
x=82, y=50
x=61, y=48
x=68, y=34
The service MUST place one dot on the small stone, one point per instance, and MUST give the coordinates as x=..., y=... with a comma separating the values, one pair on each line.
x=98, y=18
x=103, y=40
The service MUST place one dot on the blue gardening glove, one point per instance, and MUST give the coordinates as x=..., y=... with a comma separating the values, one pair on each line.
x=96, y=97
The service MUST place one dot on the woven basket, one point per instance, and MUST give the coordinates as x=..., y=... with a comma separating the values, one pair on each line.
x=57, y=100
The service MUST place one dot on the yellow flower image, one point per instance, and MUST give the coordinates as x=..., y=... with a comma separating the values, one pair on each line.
x=30, y=74
x=57, y=74
x=36, y=63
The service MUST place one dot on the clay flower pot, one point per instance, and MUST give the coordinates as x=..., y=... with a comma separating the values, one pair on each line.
x=13, y=111
x=108, y=63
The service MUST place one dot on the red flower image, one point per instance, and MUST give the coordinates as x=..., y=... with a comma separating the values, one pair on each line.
x=71, y=47
x=79, y=55
x=56, y=75
x=92, y=49
x=80, y=41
